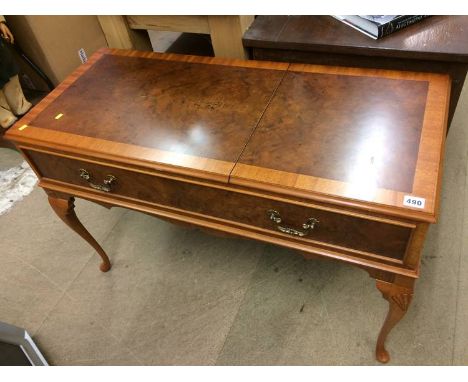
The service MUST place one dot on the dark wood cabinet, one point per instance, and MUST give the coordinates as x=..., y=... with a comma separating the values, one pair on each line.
x=437, y=44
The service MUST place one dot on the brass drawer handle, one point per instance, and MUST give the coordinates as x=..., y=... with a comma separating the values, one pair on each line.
x=308, y=225
x=108, y=181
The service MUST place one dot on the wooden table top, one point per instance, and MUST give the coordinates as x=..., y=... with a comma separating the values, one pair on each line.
x=443, y=38
x=359, y=137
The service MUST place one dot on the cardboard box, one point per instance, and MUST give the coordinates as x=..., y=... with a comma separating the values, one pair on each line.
x=53, y=42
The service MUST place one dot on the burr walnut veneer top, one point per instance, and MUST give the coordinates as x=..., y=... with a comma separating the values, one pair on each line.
x=361, y=136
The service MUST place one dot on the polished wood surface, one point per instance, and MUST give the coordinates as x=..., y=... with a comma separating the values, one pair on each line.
x=327, y=139
x=195, y=109
x=184, y=143
x=437, y=38
x=174, y=161
x=366, y=237
x=288, y=181
x=436, y=44
x=383, y=267
x=363, y=137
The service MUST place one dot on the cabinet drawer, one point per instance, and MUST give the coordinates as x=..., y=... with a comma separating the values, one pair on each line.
x=288, y=219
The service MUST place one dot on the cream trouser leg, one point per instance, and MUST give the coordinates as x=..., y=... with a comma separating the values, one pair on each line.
x=15, y=97
x=6, y=116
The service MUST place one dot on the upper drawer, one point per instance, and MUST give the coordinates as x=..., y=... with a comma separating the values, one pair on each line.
x=331, y=227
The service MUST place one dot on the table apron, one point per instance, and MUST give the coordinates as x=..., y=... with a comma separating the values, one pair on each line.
x=364, y=241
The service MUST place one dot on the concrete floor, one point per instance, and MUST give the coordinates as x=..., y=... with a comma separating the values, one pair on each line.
x=177, y=296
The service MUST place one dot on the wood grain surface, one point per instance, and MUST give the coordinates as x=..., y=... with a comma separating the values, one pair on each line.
x=189, y=108
x=438, y=44
x=344, y=128
x=299, y=129
x=437, y=38
x=220, y=144
x=93, y=129
x=388, y=239
x=364, y=158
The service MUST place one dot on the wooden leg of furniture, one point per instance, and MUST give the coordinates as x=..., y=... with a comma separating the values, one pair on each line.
x=399, y=298
x=226, y=35
x=119, y=35
x=65, y=210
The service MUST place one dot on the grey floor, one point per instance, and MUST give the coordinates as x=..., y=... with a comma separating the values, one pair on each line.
x=177, y=296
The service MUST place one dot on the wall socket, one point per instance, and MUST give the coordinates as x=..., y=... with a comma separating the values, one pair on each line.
x=82, y=55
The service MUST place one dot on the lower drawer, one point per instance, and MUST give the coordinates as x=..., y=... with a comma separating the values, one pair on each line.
x=325, y=226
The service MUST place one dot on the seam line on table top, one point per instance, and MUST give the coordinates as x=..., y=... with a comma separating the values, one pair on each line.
x=258, y=121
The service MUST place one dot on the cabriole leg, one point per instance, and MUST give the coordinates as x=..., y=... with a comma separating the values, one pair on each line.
x=65, y=210
x=399, y=298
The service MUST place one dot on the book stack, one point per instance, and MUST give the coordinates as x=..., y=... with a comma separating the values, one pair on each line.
x=378, y=26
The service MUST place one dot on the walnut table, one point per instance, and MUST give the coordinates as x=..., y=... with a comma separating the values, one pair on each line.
x=335, y=162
